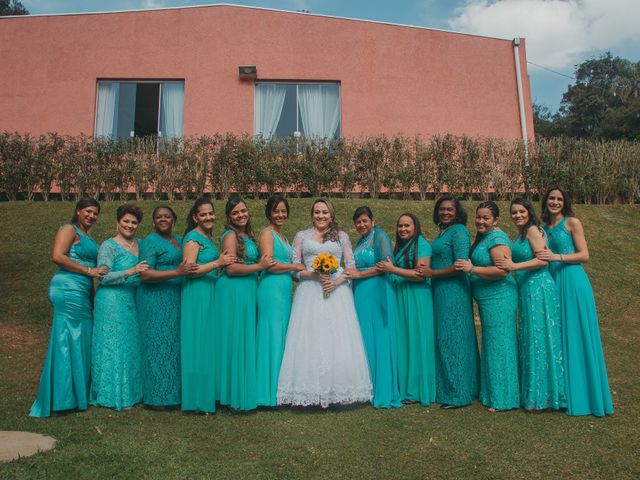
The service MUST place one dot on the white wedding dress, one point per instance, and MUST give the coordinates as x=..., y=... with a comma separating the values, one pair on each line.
x=324, y=359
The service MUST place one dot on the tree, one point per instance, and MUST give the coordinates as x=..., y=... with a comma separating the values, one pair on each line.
x=12, y=7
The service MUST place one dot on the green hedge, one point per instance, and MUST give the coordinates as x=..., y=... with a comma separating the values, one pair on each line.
x=594, y=171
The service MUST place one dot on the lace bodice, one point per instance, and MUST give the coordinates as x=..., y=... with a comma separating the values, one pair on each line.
x=305, y=249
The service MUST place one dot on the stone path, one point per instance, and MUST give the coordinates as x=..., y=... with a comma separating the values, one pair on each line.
x=14, y=445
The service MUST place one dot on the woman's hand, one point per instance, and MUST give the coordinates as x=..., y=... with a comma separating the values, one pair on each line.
x=143, y=266
x=299, y=267
x=424, y=272
x=463, y=265
x=186, y=268
x=97, y=272
x=505, y=264
x=351, y=273
x=266, y=261
x=547, y=255
x=328, y=285
x=226, y=259
x=385, y=265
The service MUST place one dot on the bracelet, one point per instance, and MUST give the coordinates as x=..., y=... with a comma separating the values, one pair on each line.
x=472, y=269
x=561, y=258
x=89, y=271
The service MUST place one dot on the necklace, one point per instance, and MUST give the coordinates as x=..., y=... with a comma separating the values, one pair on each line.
x=129, y=245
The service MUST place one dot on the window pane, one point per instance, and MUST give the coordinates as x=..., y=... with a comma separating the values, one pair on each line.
x=288, y=119
x=171, y=109
x=126, y=110
x=146, y=117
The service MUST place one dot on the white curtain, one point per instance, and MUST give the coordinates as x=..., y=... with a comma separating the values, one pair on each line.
x=319, y=110
x=269, y=99
x=171, y=110
x=107, y=111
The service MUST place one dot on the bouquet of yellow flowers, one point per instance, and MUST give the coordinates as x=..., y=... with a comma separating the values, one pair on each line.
x=325, y=263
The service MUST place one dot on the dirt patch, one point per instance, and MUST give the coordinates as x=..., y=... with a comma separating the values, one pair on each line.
x=19, y=337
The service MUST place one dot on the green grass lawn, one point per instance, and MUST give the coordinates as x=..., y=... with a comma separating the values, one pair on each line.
x=355, y=442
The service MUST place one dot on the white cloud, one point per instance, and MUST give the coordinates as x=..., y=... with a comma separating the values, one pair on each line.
x=559, y=33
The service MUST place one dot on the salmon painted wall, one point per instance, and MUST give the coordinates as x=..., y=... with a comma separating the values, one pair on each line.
x=394, y=79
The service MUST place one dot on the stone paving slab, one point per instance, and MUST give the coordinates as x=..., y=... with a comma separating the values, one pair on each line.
x=14, y=445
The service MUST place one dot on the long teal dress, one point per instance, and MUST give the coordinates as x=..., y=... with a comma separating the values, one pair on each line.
x=457, y=359
x=159, y=314
x=414, y=333
x=197, y=331
x=64, y=383
x=497, y=301
x=587, y=384
x=375, y=301
x=540, y=337
x=116, y=358
x=236, y=308
x=274, y=307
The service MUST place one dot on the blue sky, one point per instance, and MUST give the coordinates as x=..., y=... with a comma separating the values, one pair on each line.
x=560, y=33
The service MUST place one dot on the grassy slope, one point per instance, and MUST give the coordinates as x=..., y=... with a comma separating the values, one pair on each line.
x=413, y=442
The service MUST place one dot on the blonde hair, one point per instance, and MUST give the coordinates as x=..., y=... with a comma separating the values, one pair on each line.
x=331, y=233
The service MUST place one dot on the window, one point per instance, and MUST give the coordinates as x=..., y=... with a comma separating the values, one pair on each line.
x=309, y=109
x=136, y=109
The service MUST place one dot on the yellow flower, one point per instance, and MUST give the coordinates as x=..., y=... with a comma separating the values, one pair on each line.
x=326, y=267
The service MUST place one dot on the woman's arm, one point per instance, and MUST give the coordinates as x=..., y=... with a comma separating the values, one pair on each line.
x=411, y=274
x=574, y=227
x=106, y=258
x=492, y=272
x=64, y=239
x=536, y=239
x=240, y=269
x=190, y=252
x=265, y=244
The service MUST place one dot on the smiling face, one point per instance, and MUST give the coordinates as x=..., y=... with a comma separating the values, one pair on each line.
x=519, y=215
x=127, y=226
x=485, y=221
x=205, y=217
x=405, y=227
x=239, y=216
x=163, y=221
x=279, y=215
x=364, y=224
x=87, y=217
x=447, y=213
x=321, y=216
x=555, y=202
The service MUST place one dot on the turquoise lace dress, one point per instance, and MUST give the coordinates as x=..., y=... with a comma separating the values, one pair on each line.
x=236, y=308
x=414, y=333
x=274, y=307
x=197, y=331
x=587, y=384
x=540, y=338
x=116, y=359
x=375, y=301
x=159, y=314
x=64, y=383
x=497, y=301
x=457, y=360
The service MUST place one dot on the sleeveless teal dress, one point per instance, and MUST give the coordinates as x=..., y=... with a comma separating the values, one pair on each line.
x=375, y=301
x=159, y=314
x=116, y=370
x=274, y=307
x=457, y=360
x=540, y=338
x=587, y=384
x=197, y=331
x=498, y=304
x=236, y=308
x=414, y=333
x=64, y=383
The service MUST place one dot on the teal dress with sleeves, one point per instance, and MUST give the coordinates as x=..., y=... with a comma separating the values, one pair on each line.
x=197, y=330
x=414, y=332
x=586, y=377
x=497, y=301
x=375, y=301
x=159, y=314
x=116, y=357
x=64, y=383
x=457, y=360
x=236, y=307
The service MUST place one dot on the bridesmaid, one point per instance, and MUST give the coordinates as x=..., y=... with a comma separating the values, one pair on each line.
x=236, y=305
x=457, y=360
x=585, y=372
x=64, y=383
x=375, y=301
x=540, y=339
x=274, y=300
x=116, y=358
x=159, y=310
x=496, y=294
x=414, y=327
x=197, y=309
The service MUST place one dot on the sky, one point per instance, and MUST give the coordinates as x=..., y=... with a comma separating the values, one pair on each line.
x=560, y=34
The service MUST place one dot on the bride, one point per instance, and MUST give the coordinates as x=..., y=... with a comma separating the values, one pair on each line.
x=324, y=359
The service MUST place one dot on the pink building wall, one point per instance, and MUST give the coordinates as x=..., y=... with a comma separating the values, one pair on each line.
x=394, y=79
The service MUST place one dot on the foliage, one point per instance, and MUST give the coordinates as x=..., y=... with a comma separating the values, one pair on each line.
x=12, y=7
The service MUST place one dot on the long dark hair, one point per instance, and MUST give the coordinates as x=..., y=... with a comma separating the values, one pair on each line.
x=191, y=223
x=272, y=203
x=410, y=250
x=232, y=203
x=567, y=211
x=533, y=219
x=495, y=210
x=331, y=234
x=81, y=205
x=461, y=214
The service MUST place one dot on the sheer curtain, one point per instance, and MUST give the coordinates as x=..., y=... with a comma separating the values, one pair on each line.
x=171, y=109
x=269, y=99
x=106, y=112
x=319, y=110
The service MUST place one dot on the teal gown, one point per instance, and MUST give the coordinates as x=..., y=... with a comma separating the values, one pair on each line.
x=457, y=360
x=375, y=301
x=159, y=314
x=274, y=306
x=197, y=331
x=64, y=383
x=414, y=333
x=236, y=308
x=587, y=384
x=116, y=358
x=497, y=301
x=540, y=338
